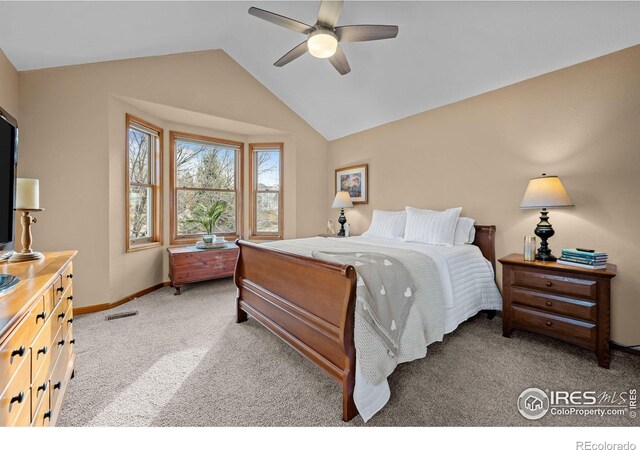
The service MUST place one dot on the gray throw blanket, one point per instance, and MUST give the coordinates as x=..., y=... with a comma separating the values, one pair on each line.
x=385, y=292
x=425, y=323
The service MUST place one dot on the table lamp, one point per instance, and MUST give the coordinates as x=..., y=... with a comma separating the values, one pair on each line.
x=545, y=192
x=27, y=201
x=342, y=201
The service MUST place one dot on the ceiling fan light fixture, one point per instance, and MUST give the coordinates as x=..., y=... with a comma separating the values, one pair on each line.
x=322, y=44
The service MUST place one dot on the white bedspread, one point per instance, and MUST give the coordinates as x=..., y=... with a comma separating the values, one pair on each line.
x=466, y=278
x=467, y=286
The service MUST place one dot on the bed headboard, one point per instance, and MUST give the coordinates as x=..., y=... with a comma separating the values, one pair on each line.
x=485, y=240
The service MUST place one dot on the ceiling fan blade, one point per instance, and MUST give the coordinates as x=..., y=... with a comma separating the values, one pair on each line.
x=292, y=54
x=329, y=13
x=339, y=61
x=282, y=21
x=359, y=33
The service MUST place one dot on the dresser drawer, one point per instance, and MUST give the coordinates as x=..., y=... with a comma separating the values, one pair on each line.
x=58, y=289
x=557, y=284
x=40, y=349
x=570, y=330
x=23, y=418
x=57, y=318
x=68, y=321
x=70, y=339
x=42, y=415
x=59, y=377
x=50, y=300
x=16, y=348
x=16, y=396
x=579, y=309
x=38, y=315
x=40, y=383
x=58, y=346
x=66, y=277
x=67, y=298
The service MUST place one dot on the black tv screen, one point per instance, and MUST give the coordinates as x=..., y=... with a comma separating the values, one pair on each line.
x=8, y=161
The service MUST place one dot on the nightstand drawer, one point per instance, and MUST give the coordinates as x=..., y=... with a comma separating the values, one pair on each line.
x=570, y=330
x=579, y=309
x=557, y=284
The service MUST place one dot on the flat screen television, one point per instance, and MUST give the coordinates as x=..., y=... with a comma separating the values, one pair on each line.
x=8, y=166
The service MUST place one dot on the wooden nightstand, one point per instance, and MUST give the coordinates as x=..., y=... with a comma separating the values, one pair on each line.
x=563, y=302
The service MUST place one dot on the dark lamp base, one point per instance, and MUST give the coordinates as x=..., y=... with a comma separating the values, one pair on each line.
x=544, y=231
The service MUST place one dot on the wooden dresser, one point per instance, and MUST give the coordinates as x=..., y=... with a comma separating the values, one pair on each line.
x=564, y=302
x=190, y=264
x=37, y=358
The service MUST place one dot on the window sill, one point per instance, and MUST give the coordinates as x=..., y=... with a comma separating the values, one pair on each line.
x=147, y=245
x=192, y=240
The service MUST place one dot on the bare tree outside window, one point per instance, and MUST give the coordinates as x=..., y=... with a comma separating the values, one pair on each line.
x=205, y=175
x=267, y=190
x=143, y=183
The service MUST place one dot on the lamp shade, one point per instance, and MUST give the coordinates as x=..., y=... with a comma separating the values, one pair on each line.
x=342, y=200
x=545, y=192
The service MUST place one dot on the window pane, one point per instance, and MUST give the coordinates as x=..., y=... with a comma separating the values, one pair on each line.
x=140, y=204
x=139, y=147
x=268, y=170
x=267, y=212
x=194, y=208
x=205, y=165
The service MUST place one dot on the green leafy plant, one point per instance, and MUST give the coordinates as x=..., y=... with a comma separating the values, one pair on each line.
x=207, y=217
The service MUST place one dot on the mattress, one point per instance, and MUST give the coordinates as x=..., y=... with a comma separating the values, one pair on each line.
x=466, y=277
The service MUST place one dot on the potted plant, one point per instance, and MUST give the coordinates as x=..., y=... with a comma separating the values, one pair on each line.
x=207, y=217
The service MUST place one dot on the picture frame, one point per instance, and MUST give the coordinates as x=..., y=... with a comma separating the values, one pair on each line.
x=355, y=180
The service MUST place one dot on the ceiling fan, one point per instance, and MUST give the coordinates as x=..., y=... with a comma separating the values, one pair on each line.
x=323, y=37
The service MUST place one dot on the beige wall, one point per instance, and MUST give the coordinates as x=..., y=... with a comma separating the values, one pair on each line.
x=72, y=140
x=8, y=86
x=581, y=123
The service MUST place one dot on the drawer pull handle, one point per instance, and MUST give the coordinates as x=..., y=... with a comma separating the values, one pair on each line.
x=60, y=289
x=58, y=385
x=19, y=352
x=70, y=276
x=548, y=323
x=18, y=398
x=70, y=298
x=61, y=342
x=549, y=303
x=549, y=284
x=47, y=415
x=72, y=341
x=42, y=315
x=61, y=315
x=42, y=387
x=43, y=350
x=70, y=320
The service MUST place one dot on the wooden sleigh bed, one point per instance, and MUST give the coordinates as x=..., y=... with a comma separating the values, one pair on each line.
x=310, y=304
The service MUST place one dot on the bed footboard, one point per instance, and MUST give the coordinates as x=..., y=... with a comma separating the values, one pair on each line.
x=308, y=303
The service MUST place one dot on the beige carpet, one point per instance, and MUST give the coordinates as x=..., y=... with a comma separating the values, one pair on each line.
x=183, y=361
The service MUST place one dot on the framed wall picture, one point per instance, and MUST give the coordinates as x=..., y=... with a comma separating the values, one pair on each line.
x=355, y=181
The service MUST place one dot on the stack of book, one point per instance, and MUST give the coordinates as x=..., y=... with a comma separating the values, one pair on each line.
x=587, y=259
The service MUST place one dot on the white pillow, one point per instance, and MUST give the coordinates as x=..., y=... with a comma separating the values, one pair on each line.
x=465, y=231
x=431, y=227
x=387, y=224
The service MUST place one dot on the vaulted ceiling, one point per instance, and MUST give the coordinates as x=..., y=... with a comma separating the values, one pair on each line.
x=444, y=52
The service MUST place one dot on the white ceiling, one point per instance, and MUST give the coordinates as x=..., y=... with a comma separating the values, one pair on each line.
x=444, y=52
